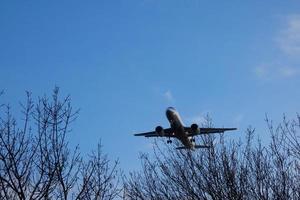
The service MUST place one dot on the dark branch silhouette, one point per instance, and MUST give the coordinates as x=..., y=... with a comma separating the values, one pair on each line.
x=228, y=170
x=37, y=163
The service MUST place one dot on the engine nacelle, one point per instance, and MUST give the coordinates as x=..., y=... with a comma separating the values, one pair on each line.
x=195, y=128
x=160, y=131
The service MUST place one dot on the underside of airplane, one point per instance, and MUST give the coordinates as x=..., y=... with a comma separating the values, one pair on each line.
x=184, y=134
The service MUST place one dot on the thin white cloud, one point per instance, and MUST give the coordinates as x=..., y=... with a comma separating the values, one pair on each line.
x=169, y=96
x=238, y=118
x=198, y=119
x=287, y=63
x=289, y=37
x=289, y=71
x=275, y=71
x=262, y=71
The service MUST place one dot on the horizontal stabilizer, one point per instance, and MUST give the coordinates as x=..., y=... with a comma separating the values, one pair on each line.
x=195, y=147
x=202, y=131
x=201, y=146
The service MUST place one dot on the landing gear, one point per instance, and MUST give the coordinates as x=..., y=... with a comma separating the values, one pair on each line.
x=192, y=139
x=169, y=141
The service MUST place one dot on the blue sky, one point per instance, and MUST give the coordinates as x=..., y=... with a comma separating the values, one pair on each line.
x=124, y=62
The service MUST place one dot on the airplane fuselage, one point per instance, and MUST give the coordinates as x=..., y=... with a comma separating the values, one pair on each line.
x=178, y=127
x=181, y=132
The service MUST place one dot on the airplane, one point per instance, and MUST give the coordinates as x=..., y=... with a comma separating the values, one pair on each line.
x=184, y=134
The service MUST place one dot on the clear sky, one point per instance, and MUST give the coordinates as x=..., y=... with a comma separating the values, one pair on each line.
x=124, y=61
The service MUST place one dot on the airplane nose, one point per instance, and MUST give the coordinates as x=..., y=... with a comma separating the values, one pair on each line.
x=170, y=109
x=169, y=112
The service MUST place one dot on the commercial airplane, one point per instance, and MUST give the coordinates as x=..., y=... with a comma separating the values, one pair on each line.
x=181, y=132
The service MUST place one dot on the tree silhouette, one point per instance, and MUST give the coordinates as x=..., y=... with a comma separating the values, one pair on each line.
x=36, y=161
x=227, y=170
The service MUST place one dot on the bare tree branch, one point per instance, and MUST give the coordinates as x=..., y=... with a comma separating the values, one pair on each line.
x=36, y=161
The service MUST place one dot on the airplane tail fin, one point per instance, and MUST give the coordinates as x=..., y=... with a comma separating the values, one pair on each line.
x=195, y=147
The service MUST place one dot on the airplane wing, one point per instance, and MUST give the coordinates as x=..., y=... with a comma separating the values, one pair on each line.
x=207, y=130
x=168, y=133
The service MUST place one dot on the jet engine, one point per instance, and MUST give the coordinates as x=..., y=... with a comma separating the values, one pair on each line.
x=195, y=128
x=160, y=131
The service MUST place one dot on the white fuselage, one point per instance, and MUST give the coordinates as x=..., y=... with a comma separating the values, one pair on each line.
x=178, y=127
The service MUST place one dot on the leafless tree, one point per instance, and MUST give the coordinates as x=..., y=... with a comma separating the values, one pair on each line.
x=227, y=170
x=36, y=161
